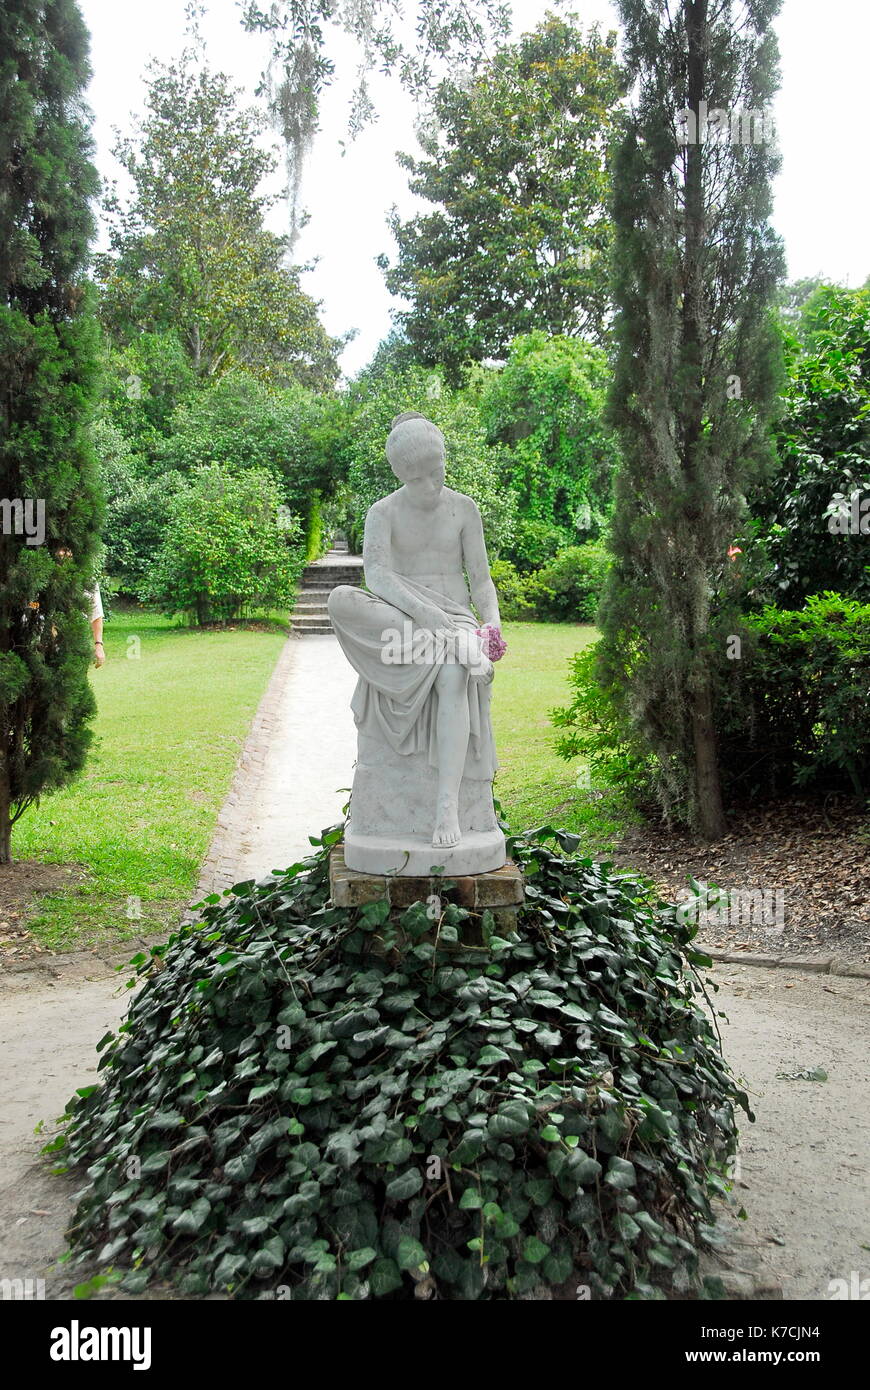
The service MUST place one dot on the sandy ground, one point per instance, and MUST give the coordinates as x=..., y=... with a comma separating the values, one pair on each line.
x=803, y=1164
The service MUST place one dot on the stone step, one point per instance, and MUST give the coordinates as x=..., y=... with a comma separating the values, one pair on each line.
x=311, y=627
x=310, y=617
x=331, y=575
x=353, y=570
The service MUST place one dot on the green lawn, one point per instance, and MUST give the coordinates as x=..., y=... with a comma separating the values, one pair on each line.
x=171, y=723
x=533, y=784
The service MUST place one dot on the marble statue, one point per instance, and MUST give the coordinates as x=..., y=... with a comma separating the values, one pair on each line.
x=422, y=791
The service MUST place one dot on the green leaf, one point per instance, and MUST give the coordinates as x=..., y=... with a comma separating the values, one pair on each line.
x=404, y=1185
x=534, y=1250
x=620, y=1174
x=510, y=1119
x=358, y=1259
x=410, y=1253
x=191, y=1220
x=384, y=1278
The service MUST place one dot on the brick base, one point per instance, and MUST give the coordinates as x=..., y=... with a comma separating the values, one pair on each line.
x=500, y=892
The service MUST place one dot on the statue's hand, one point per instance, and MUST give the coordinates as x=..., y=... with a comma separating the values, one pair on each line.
x=482, y=671
x=434, y=620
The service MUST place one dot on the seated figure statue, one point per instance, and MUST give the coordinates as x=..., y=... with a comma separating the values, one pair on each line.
x=422, y=792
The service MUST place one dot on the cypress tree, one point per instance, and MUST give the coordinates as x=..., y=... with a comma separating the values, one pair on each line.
x=697, y=368
x=49, y=498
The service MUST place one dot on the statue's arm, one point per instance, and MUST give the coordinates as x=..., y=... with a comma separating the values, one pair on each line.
x=476, y=562
x=383, y=581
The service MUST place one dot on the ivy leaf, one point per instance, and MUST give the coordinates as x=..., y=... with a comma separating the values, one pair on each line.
x=410, y=1253
x=358, y=1259
x=534, y=1250
x=620, y=1174
x=191, y=1220
x=384, y=1278
x=510, y=1119
x=404, y=1185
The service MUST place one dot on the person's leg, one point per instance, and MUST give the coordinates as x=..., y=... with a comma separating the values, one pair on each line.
x=451, y=731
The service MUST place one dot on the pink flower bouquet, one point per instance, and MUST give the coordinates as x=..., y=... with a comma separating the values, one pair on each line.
x=493, y=644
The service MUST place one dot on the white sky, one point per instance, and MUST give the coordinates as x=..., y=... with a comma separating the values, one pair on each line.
x=821, y=206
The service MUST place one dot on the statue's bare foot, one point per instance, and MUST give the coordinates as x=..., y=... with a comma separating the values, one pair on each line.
x=447, y=832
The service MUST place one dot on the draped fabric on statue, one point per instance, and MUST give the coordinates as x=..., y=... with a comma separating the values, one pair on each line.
x=395, y=700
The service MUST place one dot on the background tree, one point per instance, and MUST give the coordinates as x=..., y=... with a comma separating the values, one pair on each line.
x=793, y=298
x=190, y=253
x=227, y=548
x=473, y=467
x=546, y=407
x=696, y=374
x=824, y=450
x=48, y=361
x=304, y=33
x=517, y=167
x=241, y=423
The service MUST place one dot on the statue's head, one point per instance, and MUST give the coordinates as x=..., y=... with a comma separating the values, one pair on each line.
x=415, y=452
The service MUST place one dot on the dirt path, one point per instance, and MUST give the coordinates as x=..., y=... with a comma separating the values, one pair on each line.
x=803, y=1163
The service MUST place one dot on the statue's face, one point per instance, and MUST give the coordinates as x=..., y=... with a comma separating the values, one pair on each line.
x=423, y=487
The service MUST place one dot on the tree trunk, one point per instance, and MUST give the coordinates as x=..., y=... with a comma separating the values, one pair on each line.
x=5, y=828
x=711, y=816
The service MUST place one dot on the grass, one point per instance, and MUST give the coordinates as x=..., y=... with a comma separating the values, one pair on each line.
x=175, y=705
x=534, y=785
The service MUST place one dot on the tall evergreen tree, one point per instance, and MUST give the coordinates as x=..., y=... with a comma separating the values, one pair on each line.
x=696, y=264
x=50, y=500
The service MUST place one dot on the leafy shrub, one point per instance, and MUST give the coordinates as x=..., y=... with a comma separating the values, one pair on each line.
x=295, y=1102
x=534, y=543
x=824, y=447
x=546, y=407
x=515, y=603
x=316, y=539
x=137, y=509
x=595, y=730
x=241, y=423
x=143, y=383
x=568, y=587
x=227, y=548
x=795, y=709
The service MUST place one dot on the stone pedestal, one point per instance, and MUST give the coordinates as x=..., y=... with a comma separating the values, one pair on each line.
x=500, y=891
x=392, y=813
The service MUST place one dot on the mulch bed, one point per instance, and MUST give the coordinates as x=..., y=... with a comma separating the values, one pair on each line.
x=816, y=852
x=22, y=883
